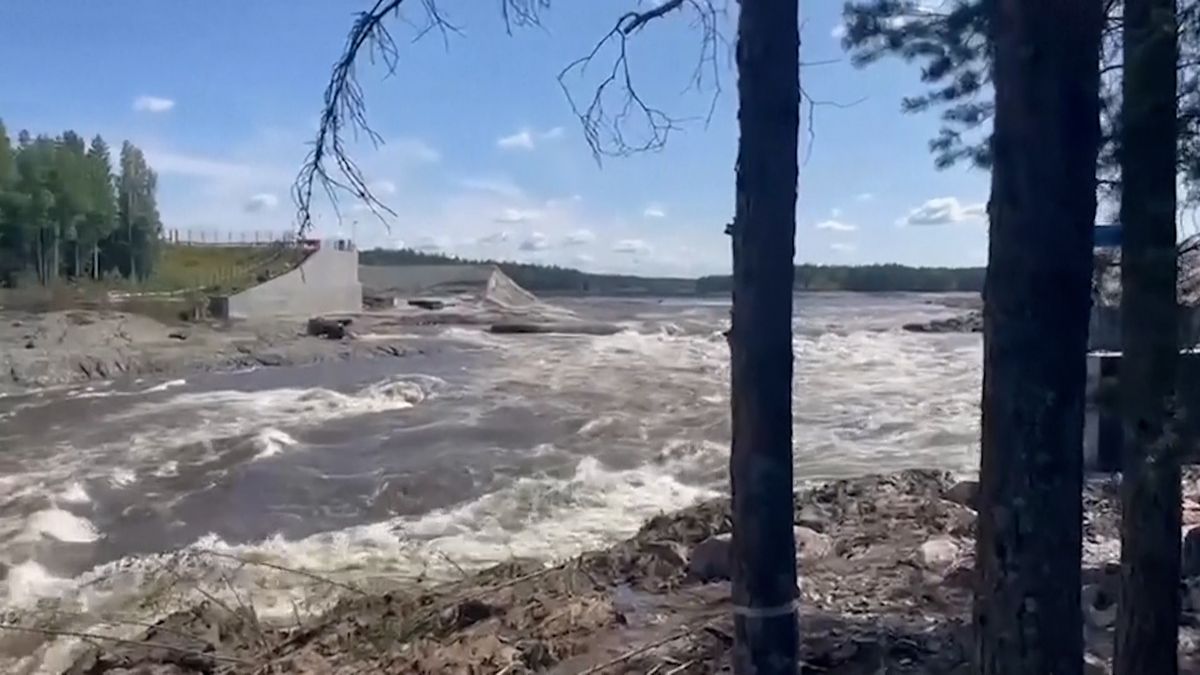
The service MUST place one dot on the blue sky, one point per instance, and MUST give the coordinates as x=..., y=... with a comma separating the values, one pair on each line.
x=482, y=156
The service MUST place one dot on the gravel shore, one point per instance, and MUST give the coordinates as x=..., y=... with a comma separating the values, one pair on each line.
x=886, y=567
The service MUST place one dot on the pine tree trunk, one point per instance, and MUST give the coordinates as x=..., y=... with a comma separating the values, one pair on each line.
x=764, y=228
x=1148, y=614
x=96, y=260
x=41, y=258
x=55, y=258
x=1027, y=611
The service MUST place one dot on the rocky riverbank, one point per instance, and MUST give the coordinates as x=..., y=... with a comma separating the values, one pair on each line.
x=41, y=349
x=885, y=561
x=65, y=347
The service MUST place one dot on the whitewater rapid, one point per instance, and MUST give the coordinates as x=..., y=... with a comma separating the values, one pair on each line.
x=498, y=446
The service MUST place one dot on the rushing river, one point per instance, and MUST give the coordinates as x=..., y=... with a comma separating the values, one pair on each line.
x=484, y=448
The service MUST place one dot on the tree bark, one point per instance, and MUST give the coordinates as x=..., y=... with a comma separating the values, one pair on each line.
x=764, y=229
x=41, y=256
x=1149, y=604
x=1042, y=209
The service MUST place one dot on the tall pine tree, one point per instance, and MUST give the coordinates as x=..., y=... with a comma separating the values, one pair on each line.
x=101, y=220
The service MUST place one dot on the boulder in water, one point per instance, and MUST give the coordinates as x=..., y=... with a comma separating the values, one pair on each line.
x=965, y=492
x=972, y=322
x=811, y=545
x=427, y=303
x=571, y=328
x=330, y=329
x=712, y=559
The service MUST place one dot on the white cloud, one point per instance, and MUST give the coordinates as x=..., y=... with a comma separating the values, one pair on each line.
x=655, y=211
x=836, y=226
x=264, y=201
x=842, y=247
x=167, y=163
x=942, y=211
x=536, y=241
x=838, y=32
x=511, y=215
x=383, y=187
x=413, y=149
x=583, y=259
x=495, y=237
x=521, y=140
x=580, y=237
x=835, y=212
x=864, y=197
x=431, y=244
x=632, y=246
x=528, y=139
x=152, y=104
x=503, y=187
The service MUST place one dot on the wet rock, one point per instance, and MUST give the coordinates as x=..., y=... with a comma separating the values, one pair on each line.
x=1094, y=665
x=519, y=328
x=811, y=545
x=971, y=322
x=466, y=613
x=671, y=552
x=960, y=521
x=1099, y=605
x=939, y=553
x=812, y=518
x=178, y=335
x=712, y=559
x=330, y=329
x=964, y=492
x=1190, y=564
x=961, y=575
x=427, y=304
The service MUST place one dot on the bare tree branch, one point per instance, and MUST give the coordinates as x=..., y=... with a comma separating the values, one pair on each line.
x=608, y=125
x=344, y=106
x=329, y=168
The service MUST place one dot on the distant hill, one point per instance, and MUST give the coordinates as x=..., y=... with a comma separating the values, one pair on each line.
x=551, y=280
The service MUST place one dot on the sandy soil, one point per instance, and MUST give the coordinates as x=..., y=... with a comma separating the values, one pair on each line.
x=886, y=567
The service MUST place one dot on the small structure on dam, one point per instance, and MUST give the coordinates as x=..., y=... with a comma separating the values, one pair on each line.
x=326, y=282
x=1103, y=435
x=396, y=285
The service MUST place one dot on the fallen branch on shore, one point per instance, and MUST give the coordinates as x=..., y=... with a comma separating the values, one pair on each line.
x=141, y=644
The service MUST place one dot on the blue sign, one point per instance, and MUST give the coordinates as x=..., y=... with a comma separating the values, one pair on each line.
x=1108, y=236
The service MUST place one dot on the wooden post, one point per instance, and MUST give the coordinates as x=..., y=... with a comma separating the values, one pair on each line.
x=764, y=230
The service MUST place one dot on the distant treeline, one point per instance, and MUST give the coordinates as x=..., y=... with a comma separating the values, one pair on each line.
x=550, y=279
x=64, y=213
x=870, y=278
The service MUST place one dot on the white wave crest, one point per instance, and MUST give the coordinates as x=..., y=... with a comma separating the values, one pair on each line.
x=61, y=525
x=272, y=441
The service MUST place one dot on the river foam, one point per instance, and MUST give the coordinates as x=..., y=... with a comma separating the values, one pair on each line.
x=544, y=447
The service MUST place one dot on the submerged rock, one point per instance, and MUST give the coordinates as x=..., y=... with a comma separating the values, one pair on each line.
x=971, y=322
x=572, y=328
x=811, y=545
x=330, y=329
x=965, y=492
x=712, y=559
x=425, y=303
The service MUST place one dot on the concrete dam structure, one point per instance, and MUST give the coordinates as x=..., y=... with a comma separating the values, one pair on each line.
x=326, y=282
x=482, y=283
